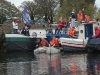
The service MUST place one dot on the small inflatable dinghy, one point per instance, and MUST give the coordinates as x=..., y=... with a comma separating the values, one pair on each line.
x=52, y=50
x=40, y=50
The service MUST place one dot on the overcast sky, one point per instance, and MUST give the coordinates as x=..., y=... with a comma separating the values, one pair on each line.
x=18, y=2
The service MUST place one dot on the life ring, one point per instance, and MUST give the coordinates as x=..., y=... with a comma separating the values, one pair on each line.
x=34, y=34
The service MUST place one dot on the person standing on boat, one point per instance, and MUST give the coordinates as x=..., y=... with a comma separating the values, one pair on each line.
x=97, y=32
x=44, y=42
x=80, y=17
x=49, y=23
x=25, y=31
x=83, y=13
x=60, y=26
x=54, y=42
x=87, y=19
x=73, y=16
x=15, y=26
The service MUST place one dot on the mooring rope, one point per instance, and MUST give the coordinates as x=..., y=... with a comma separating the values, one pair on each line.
x=19, y=45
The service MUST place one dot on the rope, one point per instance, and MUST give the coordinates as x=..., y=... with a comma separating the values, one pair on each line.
x=20, y=46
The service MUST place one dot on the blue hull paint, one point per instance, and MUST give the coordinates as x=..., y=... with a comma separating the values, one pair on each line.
x=93, y=44
x=66, y=48
x=49, y=36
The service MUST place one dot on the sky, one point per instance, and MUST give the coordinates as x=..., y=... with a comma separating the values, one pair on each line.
x=18, y=2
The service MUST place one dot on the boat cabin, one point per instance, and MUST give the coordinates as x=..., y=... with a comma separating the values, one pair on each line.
x=86, y=30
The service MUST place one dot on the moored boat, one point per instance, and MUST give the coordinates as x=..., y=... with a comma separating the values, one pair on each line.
x=85, y=31
x=19, y=42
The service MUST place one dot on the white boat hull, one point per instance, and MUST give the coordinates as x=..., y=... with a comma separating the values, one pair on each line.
x=69, y=44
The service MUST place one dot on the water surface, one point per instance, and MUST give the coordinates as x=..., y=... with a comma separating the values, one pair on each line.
x=22, y=63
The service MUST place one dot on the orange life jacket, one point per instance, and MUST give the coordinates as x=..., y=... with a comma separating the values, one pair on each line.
x=55, y=41
x=80, y=16
x=52, y=43
x=72, y=32
x=87, y=19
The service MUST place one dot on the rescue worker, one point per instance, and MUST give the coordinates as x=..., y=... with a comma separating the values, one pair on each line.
x=97, y=32
x=80, y=17
x=87, y=19
x=54, y=42
x=72, y=32
x=44, y=42
x=60, y=26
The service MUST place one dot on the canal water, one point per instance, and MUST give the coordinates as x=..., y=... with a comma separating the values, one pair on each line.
x=22, y=63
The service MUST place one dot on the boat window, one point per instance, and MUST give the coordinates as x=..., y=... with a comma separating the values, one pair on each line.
x=86, y=31
x=81, y=31
x=91, y=30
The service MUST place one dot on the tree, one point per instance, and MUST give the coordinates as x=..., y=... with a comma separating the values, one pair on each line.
x=68, y=5
x=97, y=14
x=31, y=7
x=46, y=8
x=7, y=10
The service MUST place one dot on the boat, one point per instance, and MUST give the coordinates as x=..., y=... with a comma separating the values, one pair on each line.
x=52, y=50
x=19, y=42
x=79, y=41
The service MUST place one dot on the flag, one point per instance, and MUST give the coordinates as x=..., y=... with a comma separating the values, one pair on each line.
x=26, y=17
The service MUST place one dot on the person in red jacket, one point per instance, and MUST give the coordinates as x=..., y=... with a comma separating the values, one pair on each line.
x=59, y=27
x=97, y=32
x=49, y=23
x=44, y=42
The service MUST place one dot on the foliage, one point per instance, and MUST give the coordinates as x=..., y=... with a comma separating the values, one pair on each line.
x=97, y=14
x=47, y=8
x=31, y=8
x=7, y=10
x=68, y=5
x=41, y=8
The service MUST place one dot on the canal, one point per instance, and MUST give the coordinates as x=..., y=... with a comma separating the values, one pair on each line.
x=22, y=63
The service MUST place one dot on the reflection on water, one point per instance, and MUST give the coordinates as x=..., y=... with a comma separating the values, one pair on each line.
x=44, y=64
x=74, y=64
x=2, y=64
x=19, y=63
x=93, y=64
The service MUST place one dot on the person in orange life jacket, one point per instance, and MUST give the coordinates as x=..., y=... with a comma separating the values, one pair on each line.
x=44, y=42
x=25, y=31
x=54, y=41
x=80, y=17
x=97, y=32
x=72, y=32
x=87, y=19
